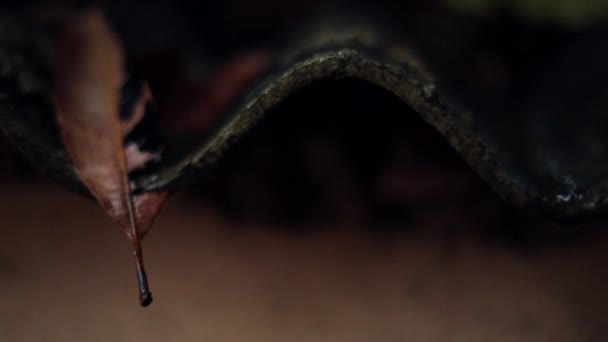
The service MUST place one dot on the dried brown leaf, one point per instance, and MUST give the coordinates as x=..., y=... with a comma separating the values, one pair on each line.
x=88, y=67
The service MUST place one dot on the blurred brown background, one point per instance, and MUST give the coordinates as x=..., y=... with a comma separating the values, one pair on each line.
x=66, y=275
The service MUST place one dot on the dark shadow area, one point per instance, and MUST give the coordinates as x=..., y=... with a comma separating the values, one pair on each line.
x=347, y=151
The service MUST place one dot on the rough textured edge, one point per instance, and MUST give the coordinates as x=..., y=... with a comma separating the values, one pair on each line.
x=411, y=86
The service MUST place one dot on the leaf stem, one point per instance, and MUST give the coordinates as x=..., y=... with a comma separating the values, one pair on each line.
x=145, y=296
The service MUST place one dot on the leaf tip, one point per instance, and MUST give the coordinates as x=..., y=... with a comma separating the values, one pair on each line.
x=145, y=295
x=145, y=299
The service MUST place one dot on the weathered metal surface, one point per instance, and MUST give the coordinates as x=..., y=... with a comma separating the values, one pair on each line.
x=553, y=169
